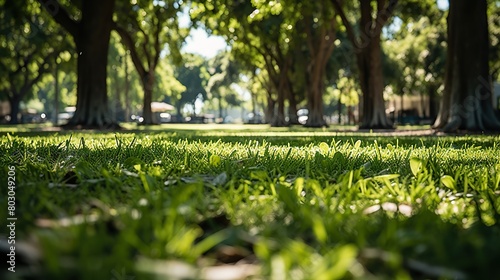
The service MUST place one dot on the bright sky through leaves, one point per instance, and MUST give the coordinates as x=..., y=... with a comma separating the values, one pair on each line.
x=199, y=41
x=443, y=4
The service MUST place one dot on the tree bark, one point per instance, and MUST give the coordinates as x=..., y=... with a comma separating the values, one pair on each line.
x=14, y=103
x=221, y=109
x=433, y=106
x=369, y=59
x=147, y=74
x=279, y=118
x=320, y=46
x=91, y=35
x=115, y=105
x=292, y=106
x=270, y=108
x=467, y=100
x=372, y=80
x=16, y=95
x=147, y=85
x=315, y=88
x=339, y=108
x=126, y=91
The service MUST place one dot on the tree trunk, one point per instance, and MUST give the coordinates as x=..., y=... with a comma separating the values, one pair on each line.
x=433, y=106
x=178, y=108
x=292, y=107
x=56, y=92
x=148, y=83
x=369, y=58
x=14, y=108
x=467, y=100
x=126, y=91
x=422, y=105
x=271, y=105
x=221, y=108
x=372, y=85
x=339, y=108
x=279, y=117
x=254, y=104
x=116, y=104
x=92, y=42
x=292, y=101
x=402, y=106
x=321, y=45
x=315, y=102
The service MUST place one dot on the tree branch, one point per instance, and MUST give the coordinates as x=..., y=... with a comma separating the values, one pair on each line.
x=28, y=84
x=348, y=26
x=42, y=69
x=24, y=64
x=157, y=47
x=145, y=44
x=333, y=36
x=310, y=44
x=384, y=12
x=61, y=16
x=270, y=52
x=129, y=42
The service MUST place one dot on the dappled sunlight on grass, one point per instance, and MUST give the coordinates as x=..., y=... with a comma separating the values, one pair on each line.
x=287, y=203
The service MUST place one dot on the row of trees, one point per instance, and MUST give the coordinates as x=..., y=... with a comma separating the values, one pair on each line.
x=146, y=33
x=294, y=42
x=292, y=52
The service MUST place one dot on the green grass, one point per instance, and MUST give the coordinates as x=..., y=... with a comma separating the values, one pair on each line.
x=281, y=203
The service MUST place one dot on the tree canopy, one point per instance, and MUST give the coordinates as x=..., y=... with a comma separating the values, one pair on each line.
x=331, y=57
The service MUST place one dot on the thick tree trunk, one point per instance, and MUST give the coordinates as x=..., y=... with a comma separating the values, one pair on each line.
x=467, y=100
x=14, y=108
x=422, y=105
x=321, y=45
x=433, y=105
x=315, y=89
x=92, y=42
x=126, y=91
x=372, y=85
x=368, y=55
x=293, y=119
x=292, y=106
x=147, y=85
x=270, y=108
x=116, y=102
x=279, y=118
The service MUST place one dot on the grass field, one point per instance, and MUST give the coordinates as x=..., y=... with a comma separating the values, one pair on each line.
x=250, y=202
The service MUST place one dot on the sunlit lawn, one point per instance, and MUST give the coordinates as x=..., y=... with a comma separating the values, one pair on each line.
x=195, y=201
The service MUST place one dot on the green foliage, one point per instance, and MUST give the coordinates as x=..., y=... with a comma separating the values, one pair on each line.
x=27, y=50
x=294, y=204
x=224, y=72
x=416, y=56
x=152, y=26
x=494, y=28
x=193, y=75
